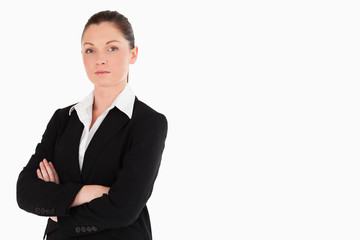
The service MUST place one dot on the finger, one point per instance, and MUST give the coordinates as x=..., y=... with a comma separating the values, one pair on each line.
x=49, y=171
x=38, y=172
x=57, y=180
x=44, y=172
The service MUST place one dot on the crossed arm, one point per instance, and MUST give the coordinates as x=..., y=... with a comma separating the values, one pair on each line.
x=47, y=173
x=75, y=204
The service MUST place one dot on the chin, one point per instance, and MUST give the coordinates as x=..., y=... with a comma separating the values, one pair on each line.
x=103, y=85
x=101, y=82
x=107, y=82
x=106, y=85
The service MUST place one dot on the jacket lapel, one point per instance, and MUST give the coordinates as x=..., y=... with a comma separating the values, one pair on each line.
x=72, y=136
x=113, y=122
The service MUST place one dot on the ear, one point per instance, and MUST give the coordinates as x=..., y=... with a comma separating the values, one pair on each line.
x=133, y=55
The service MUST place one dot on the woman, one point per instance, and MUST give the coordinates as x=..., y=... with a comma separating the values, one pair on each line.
x=94, y=169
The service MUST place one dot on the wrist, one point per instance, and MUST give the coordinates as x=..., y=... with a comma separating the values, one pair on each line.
x=79, y=198
x=88, y=193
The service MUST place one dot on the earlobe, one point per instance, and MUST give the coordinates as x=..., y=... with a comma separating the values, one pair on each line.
x=134, y=54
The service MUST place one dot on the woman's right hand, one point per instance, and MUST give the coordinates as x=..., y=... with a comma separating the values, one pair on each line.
x=89, y=192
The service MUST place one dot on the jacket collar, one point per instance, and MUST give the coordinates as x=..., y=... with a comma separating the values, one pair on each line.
x=124, y=102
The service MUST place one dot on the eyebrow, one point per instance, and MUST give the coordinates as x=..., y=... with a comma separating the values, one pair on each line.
x=112, y=41
x=106, y=42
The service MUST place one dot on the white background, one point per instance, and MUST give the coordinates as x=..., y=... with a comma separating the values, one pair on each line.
x=262, y=100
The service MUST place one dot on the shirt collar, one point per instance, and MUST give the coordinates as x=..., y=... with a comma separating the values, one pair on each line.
x=124, y=102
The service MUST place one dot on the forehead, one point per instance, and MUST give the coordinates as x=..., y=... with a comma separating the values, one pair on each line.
x=103, y=32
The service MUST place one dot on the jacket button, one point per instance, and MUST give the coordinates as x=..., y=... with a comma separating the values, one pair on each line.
x=83, y=229
x=47, y=211
x=77, y=230
x=37, y=210
x=42, y=210
x=89, y=229
x=52, y=211
x=94, y=228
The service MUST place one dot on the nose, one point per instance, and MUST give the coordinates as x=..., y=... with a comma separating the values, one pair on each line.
x=101, y=61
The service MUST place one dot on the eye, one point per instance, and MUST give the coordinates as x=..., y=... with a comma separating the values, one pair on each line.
x=87, y=51
x=113, y=49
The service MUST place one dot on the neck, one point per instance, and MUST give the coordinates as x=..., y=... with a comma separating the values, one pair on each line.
x=105, y=96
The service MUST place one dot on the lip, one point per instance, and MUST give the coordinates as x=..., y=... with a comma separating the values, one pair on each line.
x=101, y=72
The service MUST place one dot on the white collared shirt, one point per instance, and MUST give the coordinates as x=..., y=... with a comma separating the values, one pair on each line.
x=124, y=102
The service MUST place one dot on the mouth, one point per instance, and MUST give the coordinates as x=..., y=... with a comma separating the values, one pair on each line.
x=101, y=72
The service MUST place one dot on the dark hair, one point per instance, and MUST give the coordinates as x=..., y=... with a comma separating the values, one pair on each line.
x=120, y=21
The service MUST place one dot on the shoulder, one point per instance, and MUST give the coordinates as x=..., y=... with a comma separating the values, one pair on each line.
x=60, y=117
x=145, y=116
x=143, y=112
x=63, y=112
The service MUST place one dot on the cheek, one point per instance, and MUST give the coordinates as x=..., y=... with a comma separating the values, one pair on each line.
x=118, y=62
x=88, y=62
x=121, y=60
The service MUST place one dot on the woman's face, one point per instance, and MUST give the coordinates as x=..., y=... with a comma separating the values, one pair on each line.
x=106, y=55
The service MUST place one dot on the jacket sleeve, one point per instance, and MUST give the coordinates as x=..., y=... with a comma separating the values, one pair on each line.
x=128, y=195
x=37, y=196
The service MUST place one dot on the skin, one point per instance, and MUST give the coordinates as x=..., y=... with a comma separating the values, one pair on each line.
x=103, y=48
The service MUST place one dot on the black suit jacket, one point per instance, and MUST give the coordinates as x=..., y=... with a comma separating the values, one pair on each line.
x=124, y=154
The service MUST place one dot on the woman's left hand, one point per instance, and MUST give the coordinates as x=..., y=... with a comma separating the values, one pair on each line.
x=48, y=173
